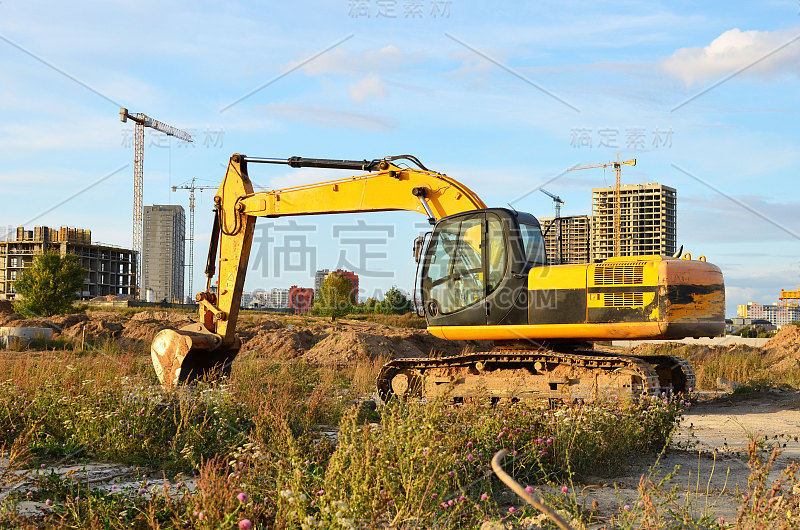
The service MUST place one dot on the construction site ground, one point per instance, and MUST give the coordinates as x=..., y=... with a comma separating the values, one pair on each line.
x=709, y=447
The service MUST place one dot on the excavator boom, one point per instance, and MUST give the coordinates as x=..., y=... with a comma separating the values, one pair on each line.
x=236, y=207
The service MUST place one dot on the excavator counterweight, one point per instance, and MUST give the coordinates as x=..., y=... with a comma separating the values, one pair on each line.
x=484, y=276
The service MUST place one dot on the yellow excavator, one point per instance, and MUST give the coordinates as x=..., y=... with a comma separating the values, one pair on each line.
x=483, y=275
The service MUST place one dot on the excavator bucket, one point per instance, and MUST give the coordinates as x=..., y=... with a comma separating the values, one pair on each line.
x=190, y=353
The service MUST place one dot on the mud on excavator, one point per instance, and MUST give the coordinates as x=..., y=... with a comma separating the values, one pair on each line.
x=483, y=275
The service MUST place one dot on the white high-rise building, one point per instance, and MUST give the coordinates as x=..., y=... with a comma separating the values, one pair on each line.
x=163, y=252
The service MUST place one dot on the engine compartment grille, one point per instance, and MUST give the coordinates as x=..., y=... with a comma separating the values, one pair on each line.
x=619, y=274
x=623, y=299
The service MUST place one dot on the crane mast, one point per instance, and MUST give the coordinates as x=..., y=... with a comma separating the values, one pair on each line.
x=191, y=187
x=142, y=121
x=617, y=194
x=557, y=201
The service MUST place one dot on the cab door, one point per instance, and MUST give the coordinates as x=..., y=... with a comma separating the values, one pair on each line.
x=454, y=273
x=506, y=301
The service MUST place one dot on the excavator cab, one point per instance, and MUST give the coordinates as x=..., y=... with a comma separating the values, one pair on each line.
x=476, y=268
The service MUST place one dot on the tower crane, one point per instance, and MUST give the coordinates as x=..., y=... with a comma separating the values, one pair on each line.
x=618, y=171
x=142, y=121
x=191, y=187
x=557, y=201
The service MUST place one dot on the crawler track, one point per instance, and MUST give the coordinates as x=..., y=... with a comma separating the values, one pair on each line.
x=535, y=375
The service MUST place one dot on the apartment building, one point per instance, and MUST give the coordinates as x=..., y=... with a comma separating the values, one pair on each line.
x=163, y=254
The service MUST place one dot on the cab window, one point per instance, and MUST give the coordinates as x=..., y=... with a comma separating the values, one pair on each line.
x=455, y=272
x=467, y=260
x=495, y=252
x=533, y=244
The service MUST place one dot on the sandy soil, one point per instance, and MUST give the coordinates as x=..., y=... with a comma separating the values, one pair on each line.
x=710, y=449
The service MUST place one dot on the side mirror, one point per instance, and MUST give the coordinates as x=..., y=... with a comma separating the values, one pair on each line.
x=419, y=244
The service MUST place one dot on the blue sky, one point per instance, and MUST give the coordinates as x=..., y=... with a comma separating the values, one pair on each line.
x=501, y=97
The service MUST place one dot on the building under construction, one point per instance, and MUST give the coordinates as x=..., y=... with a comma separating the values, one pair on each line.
x=648, y=221
x=110, y=270
x=575, y=232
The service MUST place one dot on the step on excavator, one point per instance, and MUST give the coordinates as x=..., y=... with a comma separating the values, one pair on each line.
x=482, y=275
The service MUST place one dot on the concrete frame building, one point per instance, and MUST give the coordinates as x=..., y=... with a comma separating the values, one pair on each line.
x=648, y=221
x=576, y=232
x=163, y=257
x=110, y=270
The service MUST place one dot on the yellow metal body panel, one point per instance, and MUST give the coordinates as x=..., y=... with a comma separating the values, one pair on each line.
x=557, y=277
x=581, y=331
x=703, y=296
x=383, y=191
x=235, y=240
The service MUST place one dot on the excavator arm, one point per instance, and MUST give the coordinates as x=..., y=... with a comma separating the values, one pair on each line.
x=188, y=353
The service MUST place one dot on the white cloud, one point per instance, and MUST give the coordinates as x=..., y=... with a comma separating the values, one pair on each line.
x=372, y=85
x=734, y=50
x=341, y=61
x=326, y=117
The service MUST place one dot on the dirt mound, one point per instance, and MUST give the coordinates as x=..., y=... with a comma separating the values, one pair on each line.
x=67, y=321
x=347, y=346
x=142, y=334
x=7, y=319
x=6, y=306
x=22, y=322
x=141, y=328
x=112, y=298
x=787, y=340
x=286, y=343
x=161, y=316
x=95, y=330
x=261, y=323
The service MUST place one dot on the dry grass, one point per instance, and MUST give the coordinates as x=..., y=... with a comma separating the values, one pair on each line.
x=256, y=434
